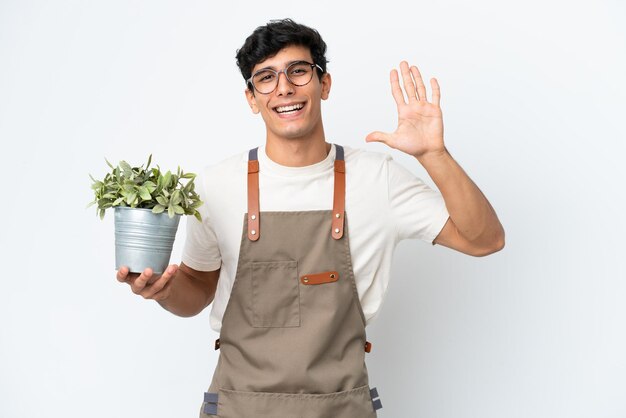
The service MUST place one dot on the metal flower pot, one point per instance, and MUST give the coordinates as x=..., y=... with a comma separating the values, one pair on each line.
x=143, y=239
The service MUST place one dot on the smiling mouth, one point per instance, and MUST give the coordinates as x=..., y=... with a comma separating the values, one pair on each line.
x=289, y=110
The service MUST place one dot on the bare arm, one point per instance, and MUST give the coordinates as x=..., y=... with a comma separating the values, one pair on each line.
x=181, y=290
x=473, y=227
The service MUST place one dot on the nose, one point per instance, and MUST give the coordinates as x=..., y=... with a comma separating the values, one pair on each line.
x=284, y=87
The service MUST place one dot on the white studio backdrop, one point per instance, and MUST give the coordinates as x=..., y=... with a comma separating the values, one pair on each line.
x=533, y=98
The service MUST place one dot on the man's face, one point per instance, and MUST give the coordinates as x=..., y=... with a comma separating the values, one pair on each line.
x=303, y=123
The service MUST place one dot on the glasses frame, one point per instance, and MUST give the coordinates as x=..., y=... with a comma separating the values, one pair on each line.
x=284, y=70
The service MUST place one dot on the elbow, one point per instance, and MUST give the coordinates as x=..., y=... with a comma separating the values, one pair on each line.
x=495, y=244
x=498, y=245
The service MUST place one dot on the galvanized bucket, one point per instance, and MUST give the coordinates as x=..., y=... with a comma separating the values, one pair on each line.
x=143, y=239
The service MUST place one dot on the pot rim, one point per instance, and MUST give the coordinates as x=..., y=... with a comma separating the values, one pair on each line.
x=128, y=207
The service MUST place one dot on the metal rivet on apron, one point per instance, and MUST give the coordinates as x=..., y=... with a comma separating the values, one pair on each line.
x=337, y=216
x=253, y=217
x=336, y=230
x=253, y=232
x=332, y=276
x=305, y=280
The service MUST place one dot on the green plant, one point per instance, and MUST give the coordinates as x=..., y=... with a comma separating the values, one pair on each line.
x=148, y=188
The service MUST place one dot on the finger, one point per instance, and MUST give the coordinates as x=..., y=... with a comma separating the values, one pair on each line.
x=152, y=290
x=396, y=91
x=434, y=85
x=140, y=283
x=409, y=85
x=169, y=272
x=122, y=274
x=421, y=88
x=125, y=276
x=378, y=137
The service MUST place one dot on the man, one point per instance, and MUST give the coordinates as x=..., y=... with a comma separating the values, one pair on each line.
x=301, y=233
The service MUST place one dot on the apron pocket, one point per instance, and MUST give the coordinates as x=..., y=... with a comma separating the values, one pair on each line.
x=354, y=403
x=275, y=294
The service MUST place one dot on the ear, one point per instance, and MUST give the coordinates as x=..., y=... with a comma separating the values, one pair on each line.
x=251, y=101
x=326, y=82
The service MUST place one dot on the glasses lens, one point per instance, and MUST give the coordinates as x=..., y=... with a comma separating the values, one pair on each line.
x=265, y=81
x=300, y=73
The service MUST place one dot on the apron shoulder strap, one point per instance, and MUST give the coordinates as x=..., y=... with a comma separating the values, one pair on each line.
x=253, y=196
x=338, y=152
x=339, y=195
x=253, y=154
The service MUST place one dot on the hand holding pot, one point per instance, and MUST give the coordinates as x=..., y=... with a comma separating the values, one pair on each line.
x=147, y=284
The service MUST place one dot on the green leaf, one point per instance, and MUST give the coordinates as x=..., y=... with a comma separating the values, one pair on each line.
x=166, y=179
x=118, y=201
x=158, y=209
x=170, y=211
x=144, y=193
x=176, y=197
x=149, y=160
x=150, y=186
x=179, y=210
x=162, y=201
x=198, y=216
x=108, y=163
x=196, y=205
x=101, y=213
x=125, y=166
x=131, y=197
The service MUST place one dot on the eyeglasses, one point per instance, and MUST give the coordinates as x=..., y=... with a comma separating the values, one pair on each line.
x=298, y=73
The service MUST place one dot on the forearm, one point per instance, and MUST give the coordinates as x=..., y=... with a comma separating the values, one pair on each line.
x=468, y=207
x=187, y=296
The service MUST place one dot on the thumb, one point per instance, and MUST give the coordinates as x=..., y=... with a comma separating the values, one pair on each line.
x=378, y=136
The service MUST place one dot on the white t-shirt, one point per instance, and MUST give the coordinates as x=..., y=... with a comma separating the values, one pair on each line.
x=385, y=203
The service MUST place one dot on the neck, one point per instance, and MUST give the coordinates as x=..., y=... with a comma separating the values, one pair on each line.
x=297, y=152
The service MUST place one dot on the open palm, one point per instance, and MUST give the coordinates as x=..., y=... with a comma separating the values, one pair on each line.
x=420, y=122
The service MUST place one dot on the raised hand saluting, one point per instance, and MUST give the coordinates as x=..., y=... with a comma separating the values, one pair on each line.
x=420, y=122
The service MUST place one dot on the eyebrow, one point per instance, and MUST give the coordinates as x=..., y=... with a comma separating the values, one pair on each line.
x=271, y=67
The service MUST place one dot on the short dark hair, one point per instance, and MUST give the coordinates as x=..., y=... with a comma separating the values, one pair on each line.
x=266, y=41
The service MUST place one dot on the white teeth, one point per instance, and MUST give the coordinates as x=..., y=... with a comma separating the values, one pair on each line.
x=282, y=109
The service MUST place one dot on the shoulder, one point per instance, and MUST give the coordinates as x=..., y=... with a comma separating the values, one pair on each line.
x=367, y=174
x=361, y=158
x=370, y=160
x=225, y=171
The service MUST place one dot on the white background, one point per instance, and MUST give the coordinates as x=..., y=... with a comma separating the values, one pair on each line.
x=533, y=97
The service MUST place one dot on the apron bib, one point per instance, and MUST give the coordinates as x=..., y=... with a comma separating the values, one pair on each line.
x=292, y=343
